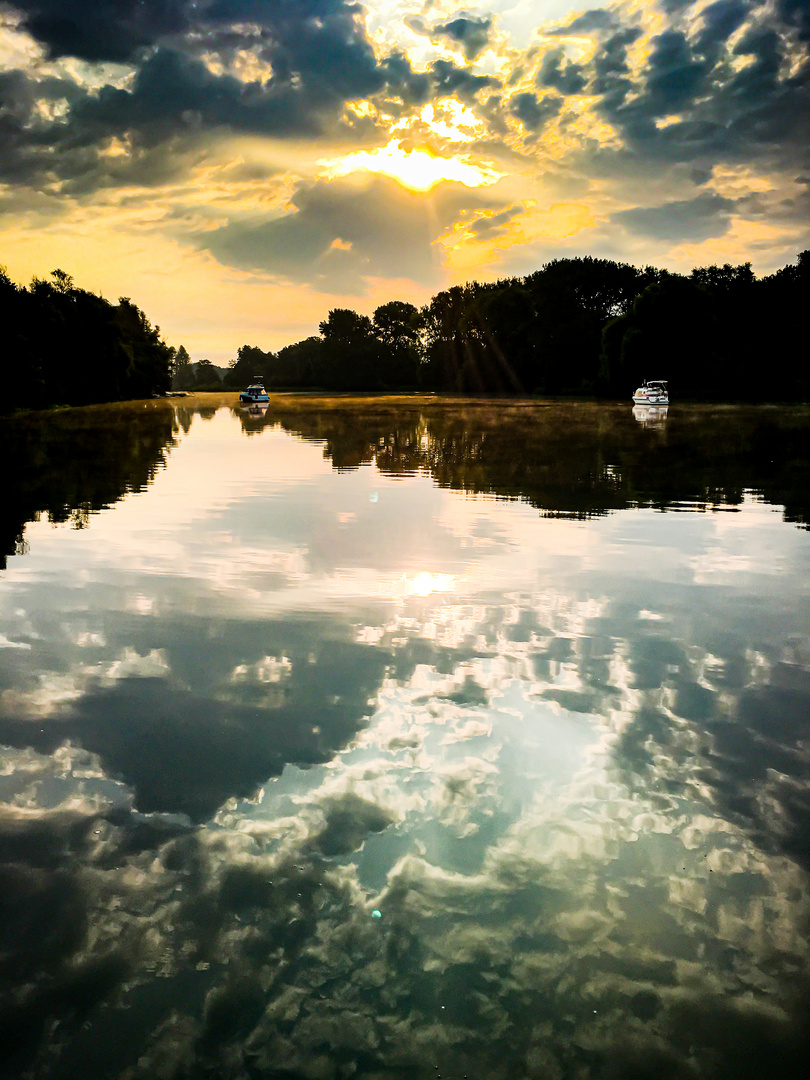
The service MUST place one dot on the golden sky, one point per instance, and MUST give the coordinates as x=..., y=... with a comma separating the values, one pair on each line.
x=239, y=167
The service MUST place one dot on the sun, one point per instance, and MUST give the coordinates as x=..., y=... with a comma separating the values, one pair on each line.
x=415, y=169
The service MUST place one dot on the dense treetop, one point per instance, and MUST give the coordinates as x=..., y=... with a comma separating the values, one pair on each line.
x=576, y=326
x=66, y=346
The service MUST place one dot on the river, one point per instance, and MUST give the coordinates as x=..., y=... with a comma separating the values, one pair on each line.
x=357, y=739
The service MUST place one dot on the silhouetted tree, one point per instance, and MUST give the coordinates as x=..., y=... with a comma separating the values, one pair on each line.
x=182, y=372
x=250, y=365
x=398, y=326
x=352, y=355
x=68, y=346
x=207, y=376
x=299, y=364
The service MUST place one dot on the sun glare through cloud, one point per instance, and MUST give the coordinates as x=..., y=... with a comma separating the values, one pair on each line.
x=416, y=169
x=451, y=120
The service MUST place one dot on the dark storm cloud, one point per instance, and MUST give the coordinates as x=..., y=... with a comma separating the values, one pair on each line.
x=696, y=219
x=673, y=7
x=322, y=43
x=795, y=14
x=611, y=81
x=20, y=95
x=533, y=112
x=450, y=79
x=315, y=55
x=174, y=91
x=759, y=80
x=349, y=820
x=721, y=112
x=719, y=21
x=568, y=77
x=318, y=50
x=27, y=138
x=106, y=30
x=674, y=76
x=413, y=87
x=471, y=33
x=342, y=233
x=590, y=21
x=117, y=30
x=70, y=153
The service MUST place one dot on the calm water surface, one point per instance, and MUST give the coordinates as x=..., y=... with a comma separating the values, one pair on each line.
x=359, y=740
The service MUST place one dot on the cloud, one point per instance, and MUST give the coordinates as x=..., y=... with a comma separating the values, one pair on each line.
x=795, y=14
x=568, y=77
x=27, y=132
x=262, y=69
x=720, y=110
x=471, y=33
x=718, y=22
x=341, y=233
x=449, y=79
x=120, y=30
x=173, y=91
x=674, y=75
x=116, y=30
x=533, y=112
x=161, y=96
x=590, y=21
x=696, y=219
x=611, y=81
x=486, y=228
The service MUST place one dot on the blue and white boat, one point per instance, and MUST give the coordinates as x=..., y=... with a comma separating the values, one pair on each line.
x=254, y=395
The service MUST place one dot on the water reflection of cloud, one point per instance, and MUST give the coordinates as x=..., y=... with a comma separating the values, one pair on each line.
x=535, y=923
x=583, y=826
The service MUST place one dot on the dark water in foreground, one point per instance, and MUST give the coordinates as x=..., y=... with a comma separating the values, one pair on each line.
x=357, y=741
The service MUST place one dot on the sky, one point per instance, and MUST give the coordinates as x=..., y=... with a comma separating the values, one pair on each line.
x=240, y=167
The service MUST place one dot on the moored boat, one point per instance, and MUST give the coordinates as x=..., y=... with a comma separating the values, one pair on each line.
x=254, y=395
x=652, y=392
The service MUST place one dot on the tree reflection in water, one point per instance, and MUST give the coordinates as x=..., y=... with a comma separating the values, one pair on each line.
x=573, y=460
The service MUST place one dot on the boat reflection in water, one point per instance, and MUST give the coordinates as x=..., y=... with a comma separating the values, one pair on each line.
x=651, y=416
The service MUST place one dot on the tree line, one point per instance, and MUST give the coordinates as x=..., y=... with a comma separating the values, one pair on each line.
x=582, y=326
x=66, y=346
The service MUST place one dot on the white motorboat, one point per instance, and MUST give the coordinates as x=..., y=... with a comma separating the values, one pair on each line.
x=652, y=392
